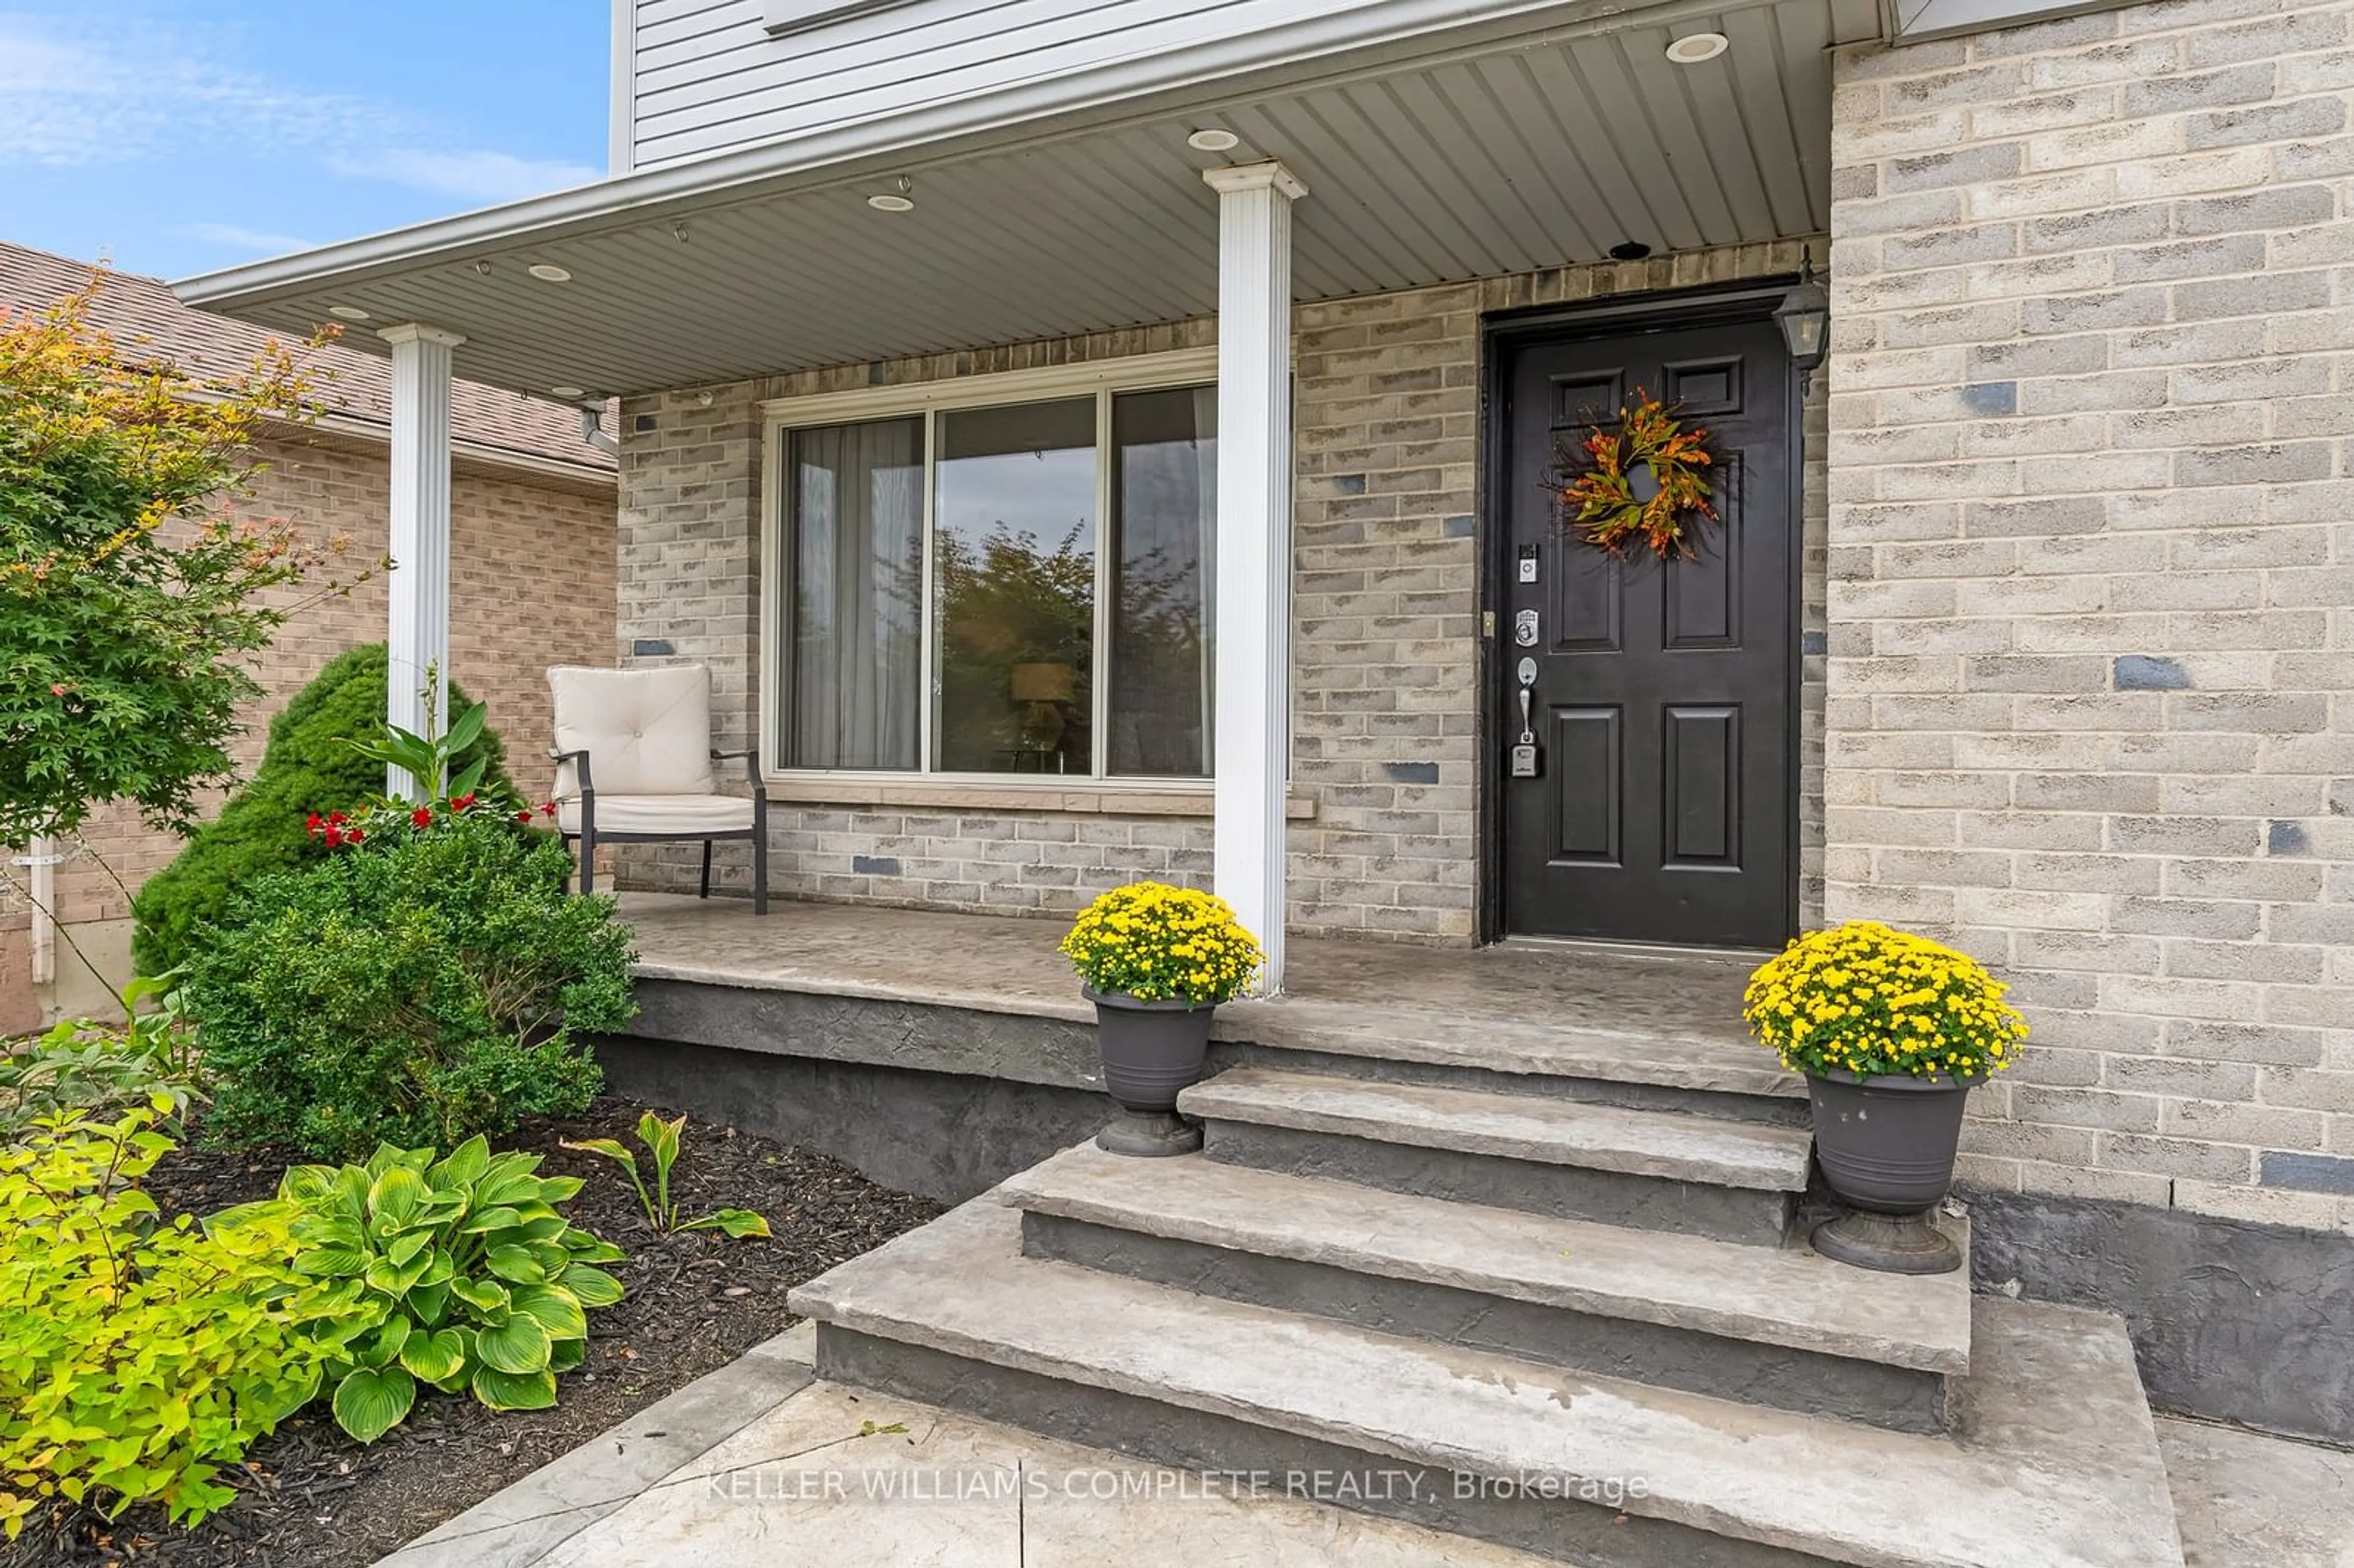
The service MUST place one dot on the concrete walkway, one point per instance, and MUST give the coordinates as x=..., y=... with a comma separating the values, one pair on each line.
x=760, y=1464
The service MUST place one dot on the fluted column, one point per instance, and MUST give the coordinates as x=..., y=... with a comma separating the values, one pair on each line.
x=419, y=635
x=1253, y=719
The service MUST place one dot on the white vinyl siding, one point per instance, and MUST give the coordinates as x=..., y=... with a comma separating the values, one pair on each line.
x=710, y=75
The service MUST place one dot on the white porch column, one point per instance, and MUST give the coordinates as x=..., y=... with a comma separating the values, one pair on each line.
x=419, y=635
x=1253, y=718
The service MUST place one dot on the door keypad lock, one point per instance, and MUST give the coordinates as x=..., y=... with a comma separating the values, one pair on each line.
x=1525, y=629
x=1527, y=761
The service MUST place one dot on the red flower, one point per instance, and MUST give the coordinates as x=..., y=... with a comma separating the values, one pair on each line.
x=462, y=802
x=355, y=836
x=58, y=691
x=334, y=837
x=548, y=809
x=523, y=817
x=421, y=818
x=314, y=823
x=336, y=818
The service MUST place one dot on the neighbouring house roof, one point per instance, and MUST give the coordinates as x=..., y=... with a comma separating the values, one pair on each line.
x=355, y=387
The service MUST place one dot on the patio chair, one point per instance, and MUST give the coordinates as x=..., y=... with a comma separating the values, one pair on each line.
x=633, y=766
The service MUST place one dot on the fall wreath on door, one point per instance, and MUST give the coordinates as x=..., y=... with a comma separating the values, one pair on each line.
x=1644, y=485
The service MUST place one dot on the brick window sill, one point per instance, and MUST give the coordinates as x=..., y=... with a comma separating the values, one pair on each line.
x=1077, y=797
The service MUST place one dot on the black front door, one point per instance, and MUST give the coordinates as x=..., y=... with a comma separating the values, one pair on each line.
x=1663, y=698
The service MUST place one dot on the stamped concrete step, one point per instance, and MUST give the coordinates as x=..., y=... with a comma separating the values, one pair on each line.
x=1660, y=1170
x=1664, y=1067
x=1769, y=1326
x=2055, y=1463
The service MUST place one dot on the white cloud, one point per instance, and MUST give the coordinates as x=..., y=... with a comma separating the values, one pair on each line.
x=74, y=94
x=478, y=176
x=92, y=99
x=235, y=237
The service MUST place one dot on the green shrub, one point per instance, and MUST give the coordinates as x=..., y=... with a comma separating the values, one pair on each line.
x=418, y=988
x=309, y=765
x=138, y=1358
x=460, y=1275
x=102, y=1068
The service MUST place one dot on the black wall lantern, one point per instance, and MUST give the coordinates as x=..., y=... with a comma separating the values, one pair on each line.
x=1804, y=315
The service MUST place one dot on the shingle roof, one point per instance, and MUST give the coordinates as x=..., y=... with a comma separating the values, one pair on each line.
x=141, y=311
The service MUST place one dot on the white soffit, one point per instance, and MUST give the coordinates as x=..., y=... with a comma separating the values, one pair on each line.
x=1910, y=21
x=1539, y=150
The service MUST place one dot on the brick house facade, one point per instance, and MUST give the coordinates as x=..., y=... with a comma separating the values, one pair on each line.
x=2075, y=570
x=2092, y=657
x=2039, y=640
x=529, y=497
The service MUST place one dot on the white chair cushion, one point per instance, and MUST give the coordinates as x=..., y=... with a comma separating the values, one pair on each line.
x=684, y=815
x=647, y=731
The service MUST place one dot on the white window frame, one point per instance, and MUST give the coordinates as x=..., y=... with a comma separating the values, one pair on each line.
x=1102, y=378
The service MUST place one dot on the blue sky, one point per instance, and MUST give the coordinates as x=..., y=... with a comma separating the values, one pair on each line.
x=177, y=136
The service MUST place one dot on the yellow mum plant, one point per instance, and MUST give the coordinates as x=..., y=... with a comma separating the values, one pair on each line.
x=1159, y=943
x=1877, y=1002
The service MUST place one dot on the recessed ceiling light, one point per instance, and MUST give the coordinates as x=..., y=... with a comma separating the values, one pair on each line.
x=891, y=201
x=1210, y=139
x=348, y=313
x=1629, y=250
x=549, y=273
x=1694, y=47
x=567, y=392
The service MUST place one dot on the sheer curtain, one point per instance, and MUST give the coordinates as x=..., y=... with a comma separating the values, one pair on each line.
x=1165, y=493
x=855, y=605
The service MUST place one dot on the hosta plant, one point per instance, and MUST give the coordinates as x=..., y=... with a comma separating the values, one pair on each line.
x=661, y=1139
x=460, y=1274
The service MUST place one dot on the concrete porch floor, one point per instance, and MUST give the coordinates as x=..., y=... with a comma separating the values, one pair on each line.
x=731, y=1472
x=1654, y=1015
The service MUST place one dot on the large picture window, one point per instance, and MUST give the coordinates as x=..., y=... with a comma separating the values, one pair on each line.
x=1017, y=586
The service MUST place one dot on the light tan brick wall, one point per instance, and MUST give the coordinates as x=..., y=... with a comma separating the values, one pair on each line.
x=2091, y=672
x=1386, y=704
x=532, y=575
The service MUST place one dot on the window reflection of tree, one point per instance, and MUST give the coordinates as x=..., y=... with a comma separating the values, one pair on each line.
x=1013, y=602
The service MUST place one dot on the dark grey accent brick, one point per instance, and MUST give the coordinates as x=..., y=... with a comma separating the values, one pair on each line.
x=2307, y=1172
x=651, y=648
x=2285, y=837
x=642, y=423
x=1991, y=397
x=1349, y=483
x=1812, y=642
x=1412, y=772
x=1460, y=527
x=2148, y=673
x=875, y=865
x=1967, y=166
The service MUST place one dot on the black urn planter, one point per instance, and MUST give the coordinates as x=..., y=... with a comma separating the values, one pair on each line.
x=1886, y=1146
x=1152, y=1051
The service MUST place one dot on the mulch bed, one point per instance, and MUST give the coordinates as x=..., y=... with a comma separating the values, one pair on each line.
x=315, y=1499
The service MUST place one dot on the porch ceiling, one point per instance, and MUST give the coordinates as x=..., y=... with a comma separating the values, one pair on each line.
x=1502, y=156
